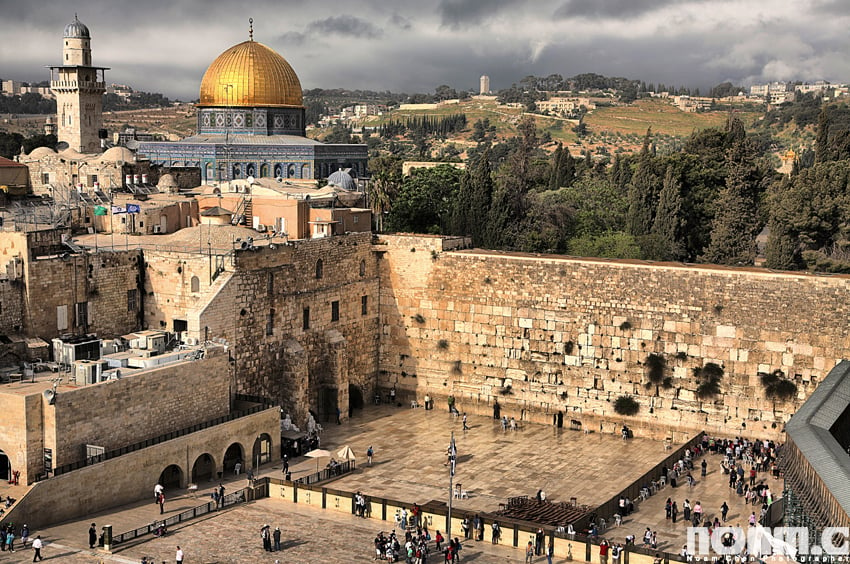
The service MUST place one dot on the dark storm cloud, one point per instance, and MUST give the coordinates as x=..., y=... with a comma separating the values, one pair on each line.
x=345, y=25
x=460, y=13
x=618, y=9
x=400, y=22
x=832, y=7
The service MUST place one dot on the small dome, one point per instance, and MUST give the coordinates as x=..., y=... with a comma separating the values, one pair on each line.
x=118, y=154
x=250, y=75
x=166, y=181
x=77, y=29
x=40, y=152
x=342, y=180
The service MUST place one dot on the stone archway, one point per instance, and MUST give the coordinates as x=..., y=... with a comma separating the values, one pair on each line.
x=234, y=453
x=204, y=469
x=262, y=451
x=5, y=466
x=171, y=477
x=355, y=397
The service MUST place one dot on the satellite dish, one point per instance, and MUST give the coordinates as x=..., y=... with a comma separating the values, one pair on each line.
x=50, y=396
x=250, y=180
x=132, y=144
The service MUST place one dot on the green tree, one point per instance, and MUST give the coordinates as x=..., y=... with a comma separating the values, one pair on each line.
x=383, y=186
x=668, y=223
x=737, y=222
x=643, y=192
x=822, y=140
x=513, y=182
x=424, y=201
x=472, y=206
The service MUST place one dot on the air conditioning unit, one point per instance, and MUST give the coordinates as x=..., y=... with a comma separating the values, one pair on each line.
x=191, y=341
x=157, y=228
x=261, y=228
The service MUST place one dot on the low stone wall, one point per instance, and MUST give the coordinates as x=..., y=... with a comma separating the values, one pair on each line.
x=435, y=515
x=130, y=478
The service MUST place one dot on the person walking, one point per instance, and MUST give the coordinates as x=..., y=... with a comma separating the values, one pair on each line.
x=465, y=426
x=161, y=502
x=529, y=553
x=178, y=556
x=724, y=510
x=10, y=540
x=370, y=452
x=37, y=546
x=92, y=535
x=550, y=551
x=25, y=535
x=603, y=552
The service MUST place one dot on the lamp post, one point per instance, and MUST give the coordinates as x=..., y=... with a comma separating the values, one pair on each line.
x=452, y=464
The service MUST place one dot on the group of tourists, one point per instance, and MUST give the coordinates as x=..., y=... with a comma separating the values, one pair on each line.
x=9, y=534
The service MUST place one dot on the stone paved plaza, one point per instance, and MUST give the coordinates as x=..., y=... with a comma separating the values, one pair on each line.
x=410, y=451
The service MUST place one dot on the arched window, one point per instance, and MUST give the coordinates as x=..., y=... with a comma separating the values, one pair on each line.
x=320, y=266
x=362, y=268
x=264, y=170
x=195, y=284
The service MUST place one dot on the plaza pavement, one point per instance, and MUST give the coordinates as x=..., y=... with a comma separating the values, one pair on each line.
x=409, y=455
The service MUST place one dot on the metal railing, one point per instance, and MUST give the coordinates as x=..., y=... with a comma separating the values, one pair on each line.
x=327, y=474
x=239, y=496
x=156, y=440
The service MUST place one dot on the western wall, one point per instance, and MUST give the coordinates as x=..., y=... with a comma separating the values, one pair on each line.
x=546, y=335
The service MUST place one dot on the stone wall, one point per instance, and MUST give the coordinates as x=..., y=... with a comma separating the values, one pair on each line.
x=545, y=335
x=102, y=280
x=118, y=413
x=131, y=477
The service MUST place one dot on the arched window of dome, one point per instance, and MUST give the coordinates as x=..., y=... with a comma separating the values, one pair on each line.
x=237, y=171
x=320, y=267
x=195, y=284
x=290, y=171
x=251, y=170
x=305, y=171
x=362, y=267
x=264, y=170
x=278, y=170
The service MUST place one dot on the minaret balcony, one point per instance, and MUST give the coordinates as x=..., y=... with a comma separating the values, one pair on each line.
x=76, y=85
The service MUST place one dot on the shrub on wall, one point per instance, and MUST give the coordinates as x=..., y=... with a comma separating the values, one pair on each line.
x=708, y=380
x=777, y=387
x=655, y=366
x=626, y=405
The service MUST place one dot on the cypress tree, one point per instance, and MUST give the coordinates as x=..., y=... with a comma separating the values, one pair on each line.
x=668, y=222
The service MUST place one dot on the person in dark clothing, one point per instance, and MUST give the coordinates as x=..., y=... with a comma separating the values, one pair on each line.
x=539, y=539
x=92, y=535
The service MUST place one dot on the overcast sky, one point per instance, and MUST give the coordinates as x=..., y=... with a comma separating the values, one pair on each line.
x=416, y=45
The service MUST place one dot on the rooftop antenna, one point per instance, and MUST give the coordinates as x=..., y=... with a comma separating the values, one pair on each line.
x=251, y=29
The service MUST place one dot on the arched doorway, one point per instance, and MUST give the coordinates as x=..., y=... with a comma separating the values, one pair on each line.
x=208, y=172
x=558, y=419
x=234, y=453
x=355, y=397
x=203, y=469
x=171, y=477
x=5, y=467
x=262, y=452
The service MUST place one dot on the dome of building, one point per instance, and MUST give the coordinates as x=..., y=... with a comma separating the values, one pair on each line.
x=77, y=29
x=250, y=75
x=40, y=152
x=115, y=154
x=166, y=183
x=342, y=180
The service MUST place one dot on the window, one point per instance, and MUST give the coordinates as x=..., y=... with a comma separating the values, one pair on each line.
x=306, y=323
x=362, y=268
x=132, y=300
x=270, y=323
x=335, y=311
x=364, y=305
x=61, y=317
x=355, y=219
x=195, y=284
x=82, y=314
x=45, y=178
x=270, y=283
x=320, y=265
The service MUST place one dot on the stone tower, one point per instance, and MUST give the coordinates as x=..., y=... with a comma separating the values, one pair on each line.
x=485, y=84
x=79, y=89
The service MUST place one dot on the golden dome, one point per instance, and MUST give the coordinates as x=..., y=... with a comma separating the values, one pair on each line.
x=250, y=75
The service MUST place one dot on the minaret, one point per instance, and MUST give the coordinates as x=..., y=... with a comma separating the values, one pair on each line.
x=79, y=89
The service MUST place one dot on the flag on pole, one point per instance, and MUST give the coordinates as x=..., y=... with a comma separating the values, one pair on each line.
x=100, y=210
x=118, y=209
x=453, y=455
x=133, y=208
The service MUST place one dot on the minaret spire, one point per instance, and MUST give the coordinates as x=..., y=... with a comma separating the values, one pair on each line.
x=251, y=29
